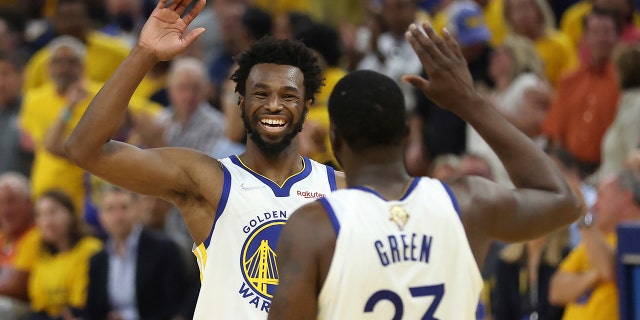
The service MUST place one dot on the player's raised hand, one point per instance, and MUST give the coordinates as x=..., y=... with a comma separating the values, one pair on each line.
x=449, y=78
x=164, y=32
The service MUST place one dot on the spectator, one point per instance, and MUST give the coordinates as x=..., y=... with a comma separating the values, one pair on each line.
x=104, y=53
x=572, y=24
x=16, y=221
x=533, y=19
x=445, y=167
x=584, y=191
x=292, y=25
x=126, y=20
x=58, y=270
x=16, y=154
x=442, y=131
x=585, y=281
x=314, y=138
x=193, y=122
x=57, y=108
x=586, y=99
x=624, y=133
x=389, y=52
x=139, y=274
x=521, y=95
x=524, y=273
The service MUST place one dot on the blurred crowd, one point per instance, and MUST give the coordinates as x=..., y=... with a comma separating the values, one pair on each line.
x=564, y=72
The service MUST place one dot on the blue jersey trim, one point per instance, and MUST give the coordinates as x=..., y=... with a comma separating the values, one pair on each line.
x=454, y=201
x=331, y=173
x=226, y=188
x=278, y=191
x=410, y=189
x=412, y=186
x=331, y=214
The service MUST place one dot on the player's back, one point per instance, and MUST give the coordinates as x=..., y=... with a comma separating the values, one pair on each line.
x=404, y=259
x=237, y=263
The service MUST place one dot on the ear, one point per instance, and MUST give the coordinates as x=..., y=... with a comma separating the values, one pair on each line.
x=334, y=138
x=240, y=99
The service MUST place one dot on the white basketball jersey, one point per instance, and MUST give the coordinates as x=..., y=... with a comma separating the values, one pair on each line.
x=237, y=262
x=380, y=270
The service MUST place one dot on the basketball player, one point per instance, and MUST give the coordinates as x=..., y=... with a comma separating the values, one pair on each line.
x=395, y=247
x=234, y=208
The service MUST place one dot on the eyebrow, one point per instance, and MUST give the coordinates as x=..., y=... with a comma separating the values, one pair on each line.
x=286, y=88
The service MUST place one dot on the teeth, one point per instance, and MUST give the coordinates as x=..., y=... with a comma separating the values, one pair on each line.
x=272, y=122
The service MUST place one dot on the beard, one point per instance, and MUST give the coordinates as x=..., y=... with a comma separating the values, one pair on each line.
x=267, y=147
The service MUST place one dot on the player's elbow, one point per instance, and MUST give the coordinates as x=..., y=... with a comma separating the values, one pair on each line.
x=76, y=152
x=569, y=206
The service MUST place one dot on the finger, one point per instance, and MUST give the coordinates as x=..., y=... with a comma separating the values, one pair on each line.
x=161, y=4
x=418, y=48
x=193, y=35
x=174, y=4
x=427, y=43
x=452, y=43
x=433, y=36
x=183, y=5
x=417, y=82
x=194, y=12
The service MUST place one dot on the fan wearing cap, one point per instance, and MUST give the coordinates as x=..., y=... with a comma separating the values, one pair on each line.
x=439, y=131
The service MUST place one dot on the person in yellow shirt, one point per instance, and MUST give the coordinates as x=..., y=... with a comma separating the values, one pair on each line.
x=533, y=19
x=58, y=270
x=103, y=53
x=61, y=102
x=585, y=281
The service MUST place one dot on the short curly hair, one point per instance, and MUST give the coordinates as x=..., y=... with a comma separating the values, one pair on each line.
x=367, y=110
x=282, y=52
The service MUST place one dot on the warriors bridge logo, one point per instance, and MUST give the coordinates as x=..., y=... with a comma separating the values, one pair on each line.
x=258, y=264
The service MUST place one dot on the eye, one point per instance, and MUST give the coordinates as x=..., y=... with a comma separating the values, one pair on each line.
x=260, y=94
x=289, y=97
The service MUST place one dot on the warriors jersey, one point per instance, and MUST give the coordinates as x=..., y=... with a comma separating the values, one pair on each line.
x=401, y=259
x=238, y=266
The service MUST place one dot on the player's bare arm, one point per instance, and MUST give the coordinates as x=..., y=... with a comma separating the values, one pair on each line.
x=542, y=200
x=184, y=177
x=305, y=250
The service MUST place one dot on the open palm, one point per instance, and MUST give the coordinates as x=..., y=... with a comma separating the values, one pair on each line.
x=164, y=32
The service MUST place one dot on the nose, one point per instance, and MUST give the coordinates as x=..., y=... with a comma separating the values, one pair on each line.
x=273, y=104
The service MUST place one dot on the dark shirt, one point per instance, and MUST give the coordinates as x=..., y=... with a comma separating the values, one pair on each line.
x=444, y=132
x=513, y=296
x=12, y=157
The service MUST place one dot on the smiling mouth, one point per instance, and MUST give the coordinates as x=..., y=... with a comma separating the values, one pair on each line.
x=273, y=122
x=273, y=125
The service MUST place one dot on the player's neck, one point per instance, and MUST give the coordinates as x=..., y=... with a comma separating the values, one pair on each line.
x=277, y=167
x=377, y=170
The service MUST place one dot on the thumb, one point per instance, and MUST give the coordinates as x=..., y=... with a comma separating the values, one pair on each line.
x=193, y=35
x=419, y=83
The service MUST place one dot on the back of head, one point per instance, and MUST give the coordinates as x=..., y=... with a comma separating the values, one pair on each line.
x=367, y=109
x=282, y=52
